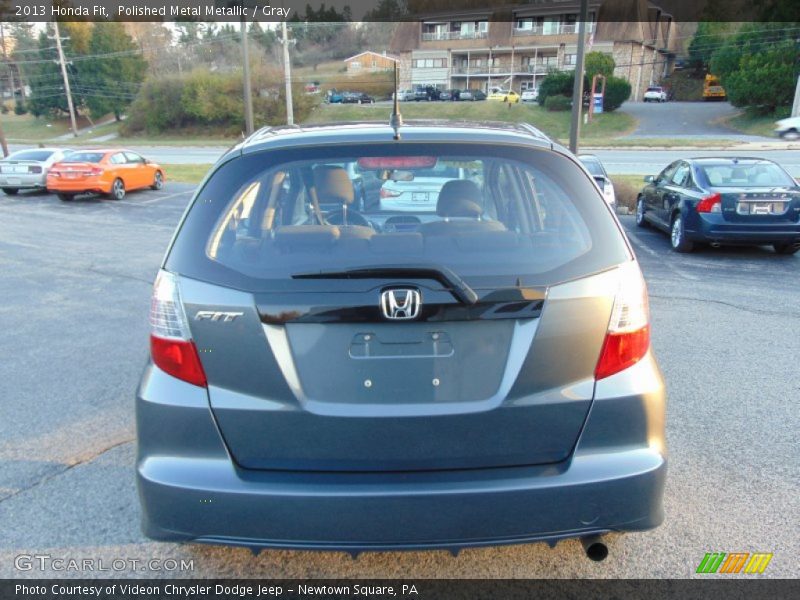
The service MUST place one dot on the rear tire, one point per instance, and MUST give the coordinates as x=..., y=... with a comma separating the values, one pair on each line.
x=10, y=191
x=66, y=197
x=117, y=189
x=158, y=181
x=786, y=248
x=677, y=236
x=790, y=135
x=640, y=220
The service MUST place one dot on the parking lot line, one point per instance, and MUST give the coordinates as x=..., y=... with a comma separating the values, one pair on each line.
x=156, y=199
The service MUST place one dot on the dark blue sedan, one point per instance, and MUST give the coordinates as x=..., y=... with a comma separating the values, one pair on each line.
x=736, y=201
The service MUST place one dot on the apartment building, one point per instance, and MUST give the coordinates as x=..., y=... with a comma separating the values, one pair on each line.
x=515, y=47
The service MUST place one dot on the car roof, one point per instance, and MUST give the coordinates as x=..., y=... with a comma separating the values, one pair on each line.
x=270, y=138
x=727, y=159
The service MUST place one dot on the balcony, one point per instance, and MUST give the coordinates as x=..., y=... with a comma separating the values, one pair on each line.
x=552, y=29
x=435, y=36
x=540, y=68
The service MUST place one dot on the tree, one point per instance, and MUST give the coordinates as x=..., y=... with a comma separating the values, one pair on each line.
x=708, y=38
x=759, y=66
x=556, y=83
x=599, y=63
x=110, y=77
x=44, y=79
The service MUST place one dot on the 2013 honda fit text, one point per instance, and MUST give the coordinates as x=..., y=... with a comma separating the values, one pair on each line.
x=474, y=372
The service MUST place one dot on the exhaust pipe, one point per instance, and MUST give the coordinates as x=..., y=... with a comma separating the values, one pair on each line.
x=594, y=547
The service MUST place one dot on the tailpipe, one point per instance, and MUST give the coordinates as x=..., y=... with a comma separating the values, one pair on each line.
x=594, y=547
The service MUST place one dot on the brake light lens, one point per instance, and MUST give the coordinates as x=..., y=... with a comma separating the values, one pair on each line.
x=34, y=169
x=388, y=193
x=628, y=337
x=95, y=171
x=710, y=204
x=171, y=346
x=397, y=162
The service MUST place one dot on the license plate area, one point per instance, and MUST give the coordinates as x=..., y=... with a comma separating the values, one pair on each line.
x=761, y=208
x=419, y=196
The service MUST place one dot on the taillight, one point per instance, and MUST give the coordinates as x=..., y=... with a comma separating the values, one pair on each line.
x=95, y=171
x=628, y=336
x=54, y=173
x=389, y=193
x=171, y=346
x=34, y=169
x=710, y=204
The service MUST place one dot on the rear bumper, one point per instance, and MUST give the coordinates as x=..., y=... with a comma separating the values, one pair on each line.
x=89, y=184
x=190, y=489
x=712, y=228
x=35, y=181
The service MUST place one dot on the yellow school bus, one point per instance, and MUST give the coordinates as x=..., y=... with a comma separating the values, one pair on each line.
x=712, y=89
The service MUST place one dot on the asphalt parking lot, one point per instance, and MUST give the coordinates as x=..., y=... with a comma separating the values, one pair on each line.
x=75, y=285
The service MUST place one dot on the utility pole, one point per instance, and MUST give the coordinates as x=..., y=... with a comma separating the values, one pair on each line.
x=248, y=88
x=66, y=80
x=577, y=88
x=287, y=75
x=796, y=103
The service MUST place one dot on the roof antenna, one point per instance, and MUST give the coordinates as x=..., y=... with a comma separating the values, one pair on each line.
x=396, y=120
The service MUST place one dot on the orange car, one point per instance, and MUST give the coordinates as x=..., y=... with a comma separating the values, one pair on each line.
x=110, y=172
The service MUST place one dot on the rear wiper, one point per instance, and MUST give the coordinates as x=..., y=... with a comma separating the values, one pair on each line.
x=445, y=276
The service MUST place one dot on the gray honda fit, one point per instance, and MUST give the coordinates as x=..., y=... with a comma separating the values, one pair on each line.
x=469, y=368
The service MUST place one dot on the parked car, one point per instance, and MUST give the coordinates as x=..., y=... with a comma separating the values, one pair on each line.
x=466, y=95
x=788, y=129
x=405, y=95
x=741, y=201
x=446, y=95
x=426, y=93
x=475, y=375
x=420, y=194
x=655, y=93
x=27, y=169
x=502, y=95
x=112, y=172
x=600, y=175
x=357, y=98
x=334, y=97
x=530, y=95
x=478, y=95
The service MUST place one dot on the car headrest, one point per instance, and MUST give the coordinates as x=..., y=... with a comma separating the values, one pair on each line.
x=460, y=198
x=333, y=185
x=714, y=178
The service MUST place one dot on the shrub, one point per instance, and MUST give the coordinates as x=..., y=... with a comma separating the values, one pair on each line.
x=556, y=83
x=20, y=108
x=557, y=103
x=618, y=90
x=212, y=102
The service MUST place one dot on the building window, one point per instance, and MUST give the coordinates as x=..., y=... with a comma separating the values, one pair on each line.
x=570, y=59
x=355, y=65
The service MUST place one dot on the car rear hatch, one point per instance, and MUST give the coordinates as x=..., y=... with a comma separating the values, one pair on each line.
x=20, y=167
x=299, y=325
x=321, y=380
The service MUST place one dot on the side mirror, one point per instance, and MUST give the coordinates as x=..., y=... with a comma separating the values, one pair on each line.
x=649, y=179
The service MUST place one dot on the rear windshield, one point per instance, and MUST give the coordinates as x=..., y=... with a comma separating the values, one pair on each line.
x=654, y=89
x=593, y=166
x=38, y=155
x=745, y=175
x=496, y=216
x=89, y=157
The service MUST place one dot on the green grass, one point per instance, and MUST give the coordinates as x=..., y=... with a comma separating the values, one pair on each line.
x=191, y=173
x=26, y=128
x=555, y=124
x=755, y=124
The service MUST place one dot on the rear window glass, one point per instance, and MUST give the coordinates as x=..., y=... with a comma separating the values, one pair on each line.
x=593, y=166
x=745, y=175
x=495, y=215
x=39, y=155
x=90, y=157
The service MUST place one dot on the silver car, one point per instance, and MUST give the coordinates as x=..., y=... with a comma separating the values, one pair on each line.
x=27, y=169
x=323, y=377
